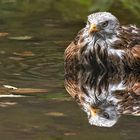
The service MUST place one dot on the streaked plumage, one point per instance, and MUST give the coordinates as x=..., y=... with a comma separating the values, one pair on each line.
x=103, y=49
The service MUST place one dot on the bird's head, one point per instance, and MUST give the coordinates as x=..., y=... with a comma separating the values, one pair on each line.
x=102, y=22
x=105, y=115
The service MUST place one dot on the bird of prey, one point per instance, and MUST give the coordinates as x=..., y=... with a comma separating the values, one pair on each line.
x=101, y=48
x=104, y=35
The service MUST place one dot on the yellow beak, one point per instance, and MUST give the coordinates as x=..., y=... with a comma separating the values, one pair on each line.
x=93, y=28
x=94, y=111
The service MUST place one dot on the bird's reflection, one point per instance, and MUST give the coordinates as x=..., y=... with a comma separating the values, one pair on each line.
x=104, y=91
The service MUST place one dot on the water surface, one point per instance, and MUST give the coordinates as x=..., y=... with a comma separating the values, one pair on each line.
x=38, y=63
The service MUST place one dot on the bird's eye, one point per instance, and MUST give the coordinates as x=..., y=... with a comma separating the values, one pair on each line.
x=104, y=24
x=106, y=115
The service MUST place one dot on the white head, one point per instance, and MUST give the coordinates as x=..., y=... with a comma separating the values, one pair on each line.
x=102, y=22
x=103, y=117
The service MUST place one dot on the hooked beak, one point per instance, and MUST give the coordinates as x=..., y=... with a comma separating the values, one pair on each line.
x=93, y=28
x=94, y=111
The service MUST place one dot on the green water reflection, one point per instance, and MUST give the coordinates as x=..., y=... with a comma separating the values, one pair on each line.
x=38, y=63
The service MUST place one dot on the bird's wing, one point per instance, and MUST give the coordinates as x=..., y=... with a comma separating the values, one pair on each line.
x=73, y=47
x=71, y=70
x=131, y=36
x=136, y=51
x=130, y=43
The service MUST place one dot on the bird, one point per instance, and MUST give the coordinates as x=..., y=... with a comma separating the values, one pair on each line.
x=104, y=37
x=102, y=48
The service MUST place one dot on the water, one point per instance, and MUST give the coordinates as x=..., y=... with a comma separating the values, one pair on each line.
x=38, y=63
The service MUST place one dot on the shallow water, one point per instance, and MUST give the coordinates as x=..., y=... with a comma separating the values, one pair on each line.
x=38, y=63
